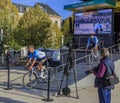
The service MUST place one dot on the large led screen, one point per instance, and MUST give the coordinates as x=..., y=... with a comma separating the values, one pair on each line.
x=93, y=22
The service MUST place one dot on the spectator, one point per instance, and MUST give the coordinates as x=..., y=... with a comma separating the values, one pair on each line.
x=105, y=67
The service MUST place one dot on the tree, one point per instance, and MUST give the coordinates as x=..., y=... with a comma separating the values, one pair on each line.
x=8, y=19
x=66, y=29
x=13, y=45
x=56, y=36
x=33, y=27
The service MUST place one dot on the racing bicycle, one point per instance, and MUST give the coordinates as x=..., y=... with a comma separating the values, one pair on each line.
x=32, y=77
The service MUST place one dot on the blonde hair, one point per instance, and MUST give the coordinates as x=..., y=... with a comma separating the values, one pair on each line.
x=104, y=52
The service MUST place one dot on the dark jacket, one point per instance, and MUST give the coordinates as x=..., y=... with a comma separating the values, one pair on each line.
x=109, y=64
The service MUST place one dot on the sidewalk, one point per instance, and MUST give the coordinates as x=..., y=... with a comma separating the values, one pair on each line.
x=88, y=95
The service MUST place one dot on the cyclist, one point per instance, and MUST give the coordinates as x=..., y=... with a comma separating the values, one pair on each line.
x=36, y=56
x=93, y=44
x=98, y=28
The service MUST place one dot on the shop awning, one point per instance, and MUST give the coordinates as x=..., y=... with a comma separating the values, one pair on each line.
x=90, y=5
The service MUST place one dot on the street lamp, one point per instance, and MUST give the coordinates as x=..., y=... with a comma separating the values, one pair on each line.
x=62, y=41
x=1, y=44
x=1, y=35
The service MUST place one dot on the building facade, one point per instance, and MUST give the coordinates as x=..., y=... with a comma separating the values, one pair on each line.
x=54, y=16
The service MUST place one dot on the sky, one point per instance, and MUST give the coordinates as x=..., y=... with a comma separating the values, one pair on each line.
x=57, y=5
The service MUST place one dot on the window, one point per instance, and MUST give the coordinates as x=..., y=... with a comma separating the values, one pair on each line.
x=20, y=9
x=56, y=22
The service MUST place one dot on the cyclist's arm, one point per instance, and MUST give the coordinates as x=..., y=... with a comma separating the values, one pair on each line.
x=31, y=66
x=35, y=56
x=28, y=62
x=88, y=43
x=96, y=42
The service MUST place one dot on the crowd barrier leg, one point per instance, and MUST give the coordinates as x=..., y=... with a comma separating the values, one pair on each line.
x=8, y=79
x=48, y=92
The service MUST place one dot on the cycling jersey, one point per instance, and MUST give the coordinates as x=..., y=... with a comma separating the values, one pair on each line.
x=37, y=55
x=93, y=41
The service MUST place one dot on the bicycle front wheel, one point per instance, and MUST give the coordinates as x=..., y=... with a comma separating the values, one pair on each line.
x=51, y=75
x=29, y=79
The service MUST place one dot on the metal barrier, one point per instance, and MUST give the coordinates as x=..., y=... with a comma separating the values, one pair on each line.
x=82, y=62
x=85, y=62
x=115, y=49
x=79, y=42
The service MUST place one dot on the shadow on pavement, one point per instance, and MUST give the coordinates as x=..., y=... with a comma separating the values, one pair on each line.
x=9, y=100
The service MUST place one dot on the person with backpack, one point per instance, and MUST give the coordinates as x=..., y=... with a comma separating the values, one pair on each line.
x=104, y=68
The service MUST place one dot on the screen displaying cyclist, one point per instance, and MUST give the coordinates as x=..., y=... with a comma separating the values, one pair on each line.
x=36, y=56
x=92, y=44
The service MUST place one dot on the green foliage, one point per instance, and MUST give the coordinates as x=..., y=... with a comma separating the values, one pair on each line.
x=56, y=36
x=8, y=19
x=33, y=28
x=13, y=45
x=66, y=31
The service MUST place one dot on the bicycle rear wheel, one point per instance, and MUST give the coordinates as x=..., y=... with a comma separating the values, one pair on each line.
x=52, y=73
x=29, y=79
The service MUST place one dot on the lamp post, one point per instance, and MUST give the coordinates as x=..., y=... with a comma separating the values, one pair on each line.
x=62, y=41
x=1, y=44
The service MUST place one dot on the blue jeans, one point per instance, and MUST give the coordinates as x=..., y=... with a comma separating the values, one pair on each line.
x=104, y=95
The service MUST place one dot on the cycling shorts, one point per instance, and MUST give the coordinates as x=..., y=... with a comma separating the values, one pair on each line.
x=42, y=60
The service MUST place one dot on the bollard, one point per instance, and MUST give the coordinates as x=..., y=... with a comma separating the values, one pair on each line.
x=8, y=68
x=48, y=92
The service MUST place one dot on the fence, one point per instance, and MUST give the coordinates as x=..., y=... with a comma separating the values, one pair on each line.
x=79, y=42
x=82, y=62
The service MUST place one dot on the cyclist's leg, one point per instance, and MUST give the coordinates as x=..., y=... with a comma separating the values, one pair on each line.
x=95, y=52
x=90, y=58
x=40, y=66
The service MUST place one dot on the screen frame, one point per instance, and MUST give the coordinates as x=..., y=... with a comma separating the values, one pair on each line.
x=112, y=23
